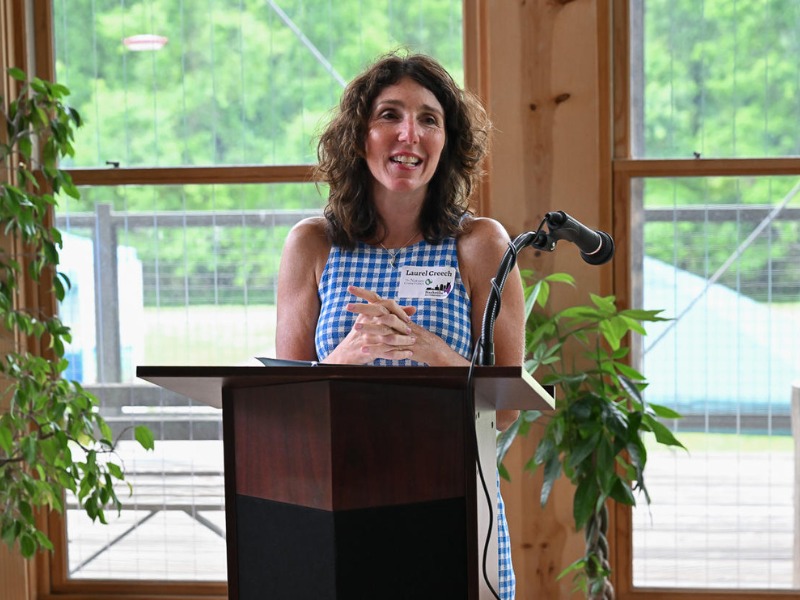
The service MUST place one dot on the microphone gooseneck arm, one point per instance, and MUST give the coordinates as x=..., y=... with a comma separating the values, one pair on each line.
x=486, y=346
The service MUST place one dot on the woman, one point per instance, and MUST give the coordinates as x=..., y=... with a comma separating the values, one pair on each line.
x=398, y=271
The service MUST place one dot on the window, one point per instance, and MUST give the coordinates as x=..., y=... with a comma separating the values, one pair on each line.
x=193, y=164
x=713, y=90
x=227, y=82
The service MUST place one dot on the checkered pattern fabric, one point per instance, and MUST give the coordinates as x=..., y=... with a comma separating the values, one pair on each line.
x=368, y=267
x=449, y=318
x=505, y=570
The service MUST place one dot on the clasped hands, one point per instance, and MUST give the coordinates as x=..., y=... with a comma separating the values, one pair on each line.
x=384, y=329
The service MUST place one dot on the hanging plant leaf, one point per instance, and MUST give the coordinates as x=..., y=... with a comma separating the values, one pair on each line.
x=47, y=417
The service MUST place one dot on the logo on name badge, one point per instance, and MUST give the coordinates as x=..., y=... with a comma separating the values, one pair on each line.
x=426, y=282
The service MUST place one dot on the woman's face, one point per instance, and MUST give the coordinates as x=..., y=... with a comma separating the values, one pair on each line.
x=405, y=137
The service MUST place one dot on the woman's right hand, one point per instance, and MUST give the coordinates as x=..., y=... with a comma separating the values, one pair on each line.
x=381, y=330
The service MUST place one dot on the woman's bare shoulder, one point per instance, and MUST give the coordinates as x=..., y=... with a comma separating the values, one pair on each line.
x=480, y=250
x=482, y=233
x=310, y=233
x=310, y=229
x=307, y=243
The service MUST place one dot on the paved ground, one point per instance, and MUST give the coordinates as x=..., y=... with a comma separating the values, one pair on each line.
x=718, y=520
x=159, y=535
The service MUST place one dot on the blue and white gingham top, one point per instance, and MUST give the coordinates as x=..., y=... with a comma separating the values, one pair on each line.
x=450, y=318
x=369, y=267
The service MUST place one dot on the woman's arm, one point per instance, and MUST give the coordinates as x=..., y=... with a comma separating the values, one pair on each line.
x=302, y=261
x=479, y=254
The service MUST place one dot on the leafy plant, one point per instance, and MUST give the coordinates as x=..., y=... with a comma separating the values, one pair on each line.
x=594, y=435
x=52, y=436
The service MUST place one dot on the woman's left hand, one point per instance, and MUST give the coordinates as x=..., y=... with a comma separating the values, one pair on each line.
x=432, y=350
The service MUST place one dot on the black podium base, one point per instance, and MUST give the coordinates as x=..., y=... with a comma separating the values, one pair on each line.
x=415, y=551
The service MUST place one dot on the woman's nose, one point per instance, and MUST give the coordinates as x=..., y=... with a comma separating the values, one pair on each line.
x=408, y=131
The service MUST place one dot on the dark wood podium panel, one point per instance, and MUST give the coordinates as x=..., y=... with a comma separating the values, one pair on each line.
x=404, y=552
x=334, y=445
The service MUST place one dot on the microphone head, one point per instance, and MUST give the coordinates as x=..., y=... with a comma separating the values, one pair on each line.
x=604, y=253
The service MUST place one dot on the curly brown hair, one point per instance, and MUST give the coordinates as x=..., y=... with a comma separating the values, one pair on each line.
x=350, y=213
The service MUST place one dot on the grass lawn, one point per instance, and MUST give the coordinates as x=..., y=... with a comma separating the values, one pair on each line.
x=697, y=442
x=208, y=335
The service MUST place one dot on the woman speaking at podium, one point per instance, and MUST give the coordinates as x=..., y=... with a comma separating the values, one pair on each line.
x=398, y=271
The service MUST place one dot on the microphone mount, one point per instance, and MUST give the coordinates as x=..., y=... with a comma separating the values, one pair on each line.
x=557, y=230
x=486, y=346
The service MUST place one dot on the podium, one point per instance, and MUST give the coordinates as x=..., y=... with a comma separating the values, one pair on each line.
x=350, y=482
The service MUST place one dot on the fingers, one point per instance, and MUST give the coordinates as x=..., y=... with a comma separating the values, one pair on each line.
x=375, y=333
x=370, y=341
x=375, y=301
x=383, y=326
x=380, y=311
x=364, y=294
x=378, y=319
x=384, y=348
x=397, y=354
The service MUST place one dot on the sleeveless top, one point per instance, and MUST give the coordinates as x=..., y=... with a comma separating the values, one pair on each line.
x=371, y=268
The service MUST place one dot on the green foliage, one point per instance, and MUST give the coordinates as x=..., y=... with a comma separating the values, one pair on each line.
x=719, y=78
x=765, y=270
x=52, y=436
x=238, y=82
x=594, y=435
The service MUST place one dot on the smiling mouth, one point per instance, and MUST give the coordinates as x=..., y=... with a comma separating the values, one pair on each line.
x=406, y=160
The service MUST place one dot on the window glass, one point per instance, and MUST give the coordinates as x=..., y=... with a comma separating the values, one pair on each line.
x=186, y=274
x=222, y=82
x=721, y=258
x=715, y=79
x=168, y=275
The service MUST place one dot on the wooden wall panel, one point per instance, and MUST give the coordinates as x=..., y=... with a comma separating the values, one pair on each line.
x=543, y=100
x=15, y=576
x=550, y=152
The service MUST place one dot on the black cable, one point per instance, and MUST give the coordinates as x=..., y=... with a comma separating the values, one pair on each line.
x=470, y=391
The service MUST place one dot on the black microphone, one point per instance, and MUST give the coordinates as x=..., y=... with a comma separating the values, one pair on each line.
x=596, y=247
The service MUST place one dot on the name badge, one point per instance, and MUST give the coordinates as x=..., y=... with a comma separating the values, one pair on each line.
x=426, y=282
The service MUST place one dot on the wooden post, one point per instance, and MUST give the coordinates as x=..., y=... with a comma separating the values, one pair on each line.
x=796, y=436
x=16, y=573
x=546, y=103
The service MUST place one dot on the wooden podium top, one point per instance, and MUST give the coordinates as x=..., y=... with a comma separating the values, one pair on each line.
x=501, y=387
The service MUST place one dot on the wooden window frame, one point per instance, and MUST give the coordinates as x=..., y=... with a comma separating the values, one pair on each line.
x=625, y=170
